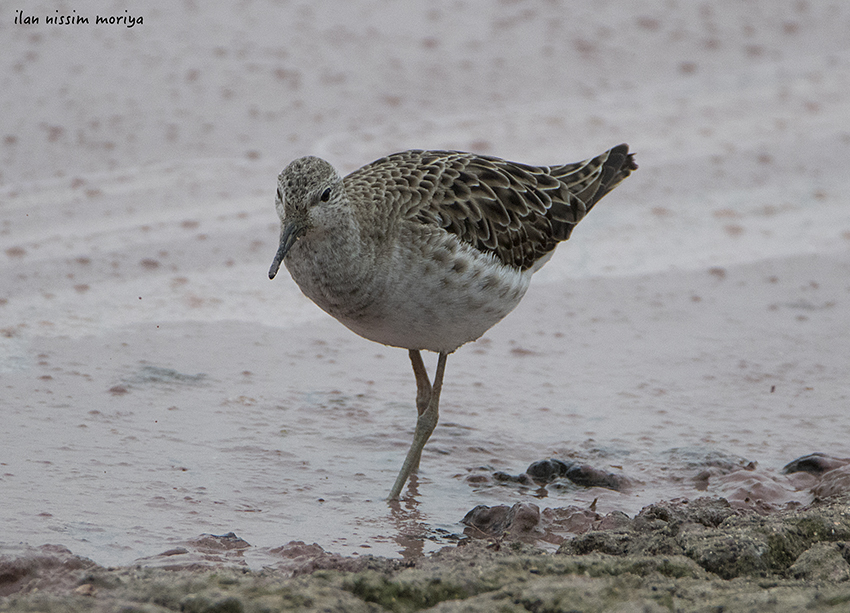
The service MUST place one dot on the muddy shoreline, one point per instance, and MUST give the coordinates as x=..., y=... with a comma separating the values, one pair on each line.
x=700, y=555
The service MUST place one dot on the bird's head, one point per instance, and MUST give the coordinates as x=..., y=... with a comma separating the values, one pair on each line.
x=309, y=193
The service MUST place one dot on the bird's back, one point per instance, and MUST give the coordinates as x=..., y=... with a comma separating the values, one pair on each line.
x=516, y=212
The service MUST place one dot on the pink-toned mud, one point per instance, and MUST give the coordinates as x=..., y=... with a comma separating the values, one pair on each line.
x=692, y=337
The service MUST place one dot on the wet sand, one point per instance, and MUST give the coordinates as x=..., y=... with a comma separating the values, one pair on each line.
x=690, y=339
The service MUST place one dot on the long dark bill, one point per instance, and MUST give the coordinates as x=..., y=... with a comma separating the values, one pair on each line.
x=288, y=235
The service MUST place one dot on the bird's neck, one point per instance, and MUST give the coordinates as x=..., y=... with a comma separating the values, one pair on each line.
x=334, y=266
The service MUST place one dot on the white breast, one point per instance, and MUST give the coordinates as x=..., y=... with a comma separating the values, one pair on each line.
x=437, y=294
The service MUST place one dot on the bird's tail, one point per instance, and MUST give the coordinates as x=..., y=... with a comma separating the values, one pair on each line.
x=588, y=181
x=617, y=164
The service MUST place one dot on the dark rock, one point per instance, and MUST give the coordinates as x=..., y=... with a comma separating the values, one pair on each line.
x=546, y=471
x=584, y=475
x=587, y=476
x=814, y=463
x=519, y=522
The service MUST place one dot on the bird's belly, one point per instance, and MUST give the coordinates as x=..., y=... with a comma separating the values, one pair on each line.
x=425, y=304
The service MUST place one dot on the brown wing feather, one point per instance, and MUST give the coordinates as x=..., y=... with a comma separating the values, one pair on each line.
x=517, y=212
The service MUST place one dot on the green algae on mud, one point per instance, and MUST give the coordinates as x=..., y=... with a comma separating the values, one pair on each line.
x=698, y=556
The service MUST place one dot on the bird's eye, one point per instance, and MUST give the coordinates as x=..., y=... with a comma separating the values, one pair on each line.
x=326, y=195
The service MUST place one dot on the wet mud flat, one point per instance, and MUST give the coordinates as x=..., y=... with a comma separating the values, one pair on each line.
x=698, y=555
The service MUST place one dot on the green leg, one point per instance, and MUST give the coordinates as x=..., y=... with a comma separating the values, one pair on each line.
x=428, y=407
x=423, y=385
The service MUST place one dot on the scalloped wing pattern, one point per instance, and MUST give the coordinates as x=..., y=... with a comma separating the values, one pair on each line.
x=516, y=212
